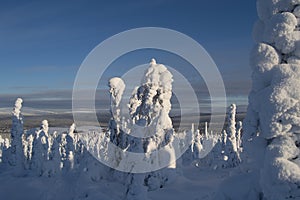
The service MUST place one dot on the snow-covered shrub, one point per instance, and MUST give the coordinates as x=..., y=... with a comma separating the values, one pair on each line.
x=271, y=126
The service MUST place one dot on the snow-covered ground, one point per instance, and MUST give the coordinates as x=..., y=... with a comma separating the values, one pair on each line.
x=191, y=183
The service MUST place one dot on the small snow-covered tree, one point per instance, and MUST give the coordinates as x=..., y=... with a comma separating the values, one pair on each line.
x=224, y=138
x=67, y=150
x=231, y=147
x=25, y=145
x=197, y=144
x=1, y=147
x=271, y=126
x=206, y=130
x=30, y=146
x=40, y=150
x=231, y=129
x=239, y=127
x=6, y=151
x=78, y=146
x=52, y=167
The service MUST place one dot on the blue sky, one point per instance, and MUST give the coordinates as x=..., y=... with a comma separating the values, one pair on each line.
x=42, y=43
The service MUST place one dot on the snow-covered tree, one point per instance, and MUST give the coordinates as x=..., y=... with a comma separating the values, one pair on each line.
x=40, y=150
x=149, y=107
x=6, y=151
x=271, y=126
x=231, y=129
x=239, y=127
x=224, y=138
x=152, y=98
x=16, y=156
x=67, y=149
x=52, y=167
x=30, y=140
x=78, y=146
x=206, y=130
x=117, y=136
x=197, y=144
x=1, y=147
x=25, y=145
x=231, y=150
x=151, y=104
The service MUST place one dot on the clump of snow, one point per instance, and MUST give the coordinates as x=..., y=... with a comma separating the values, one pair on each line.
x=45, y=127
x=117, y=87
x=281, y=24
x=293, y=60
x=267, y=8
x=17, y=108
x=264, y=57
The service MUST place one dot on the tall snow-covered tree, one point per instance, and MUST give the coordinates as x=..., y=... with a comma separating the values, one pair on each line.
x=149, y=107
x=151, y=104
x=117, y=136
x=16, y=156
x=272, y=122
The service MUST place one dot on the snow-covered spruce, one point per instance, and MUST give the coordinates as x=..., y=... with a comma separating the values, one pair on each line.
x=117, y=136
x=16, y=150
x=150, y=106
x=1, y=147
x=239, y=127
x=272, y=121
x=40, y=150
x=231, y=149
